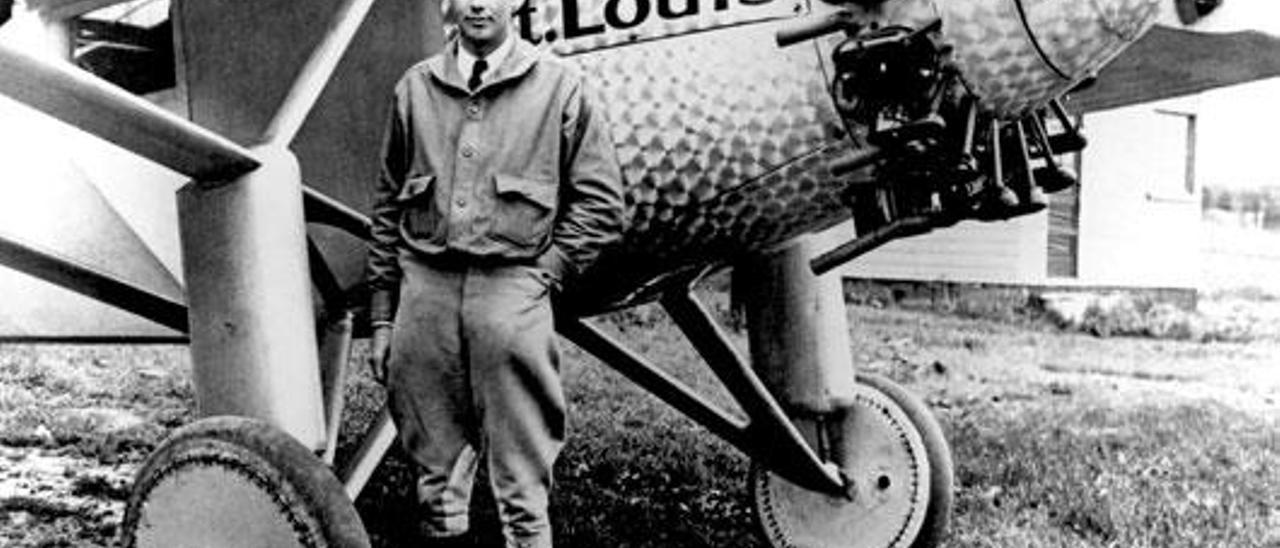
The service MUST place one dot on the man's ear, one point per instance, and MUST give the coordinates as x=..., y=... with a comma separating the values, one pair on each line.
x=447, y=13
x=1191, y=11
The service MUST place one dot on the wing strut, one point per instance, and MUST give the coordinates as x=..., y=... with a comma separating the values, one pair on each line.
x=93, y=283
x=316, y=73
x=93, y=105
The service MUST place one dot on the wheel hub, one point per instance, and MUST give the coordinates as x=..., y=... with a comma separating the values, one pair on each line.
x=887, y=469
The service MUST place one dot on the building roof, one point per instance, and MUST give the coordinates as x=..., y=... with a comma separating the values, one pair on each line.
x=1170, y=62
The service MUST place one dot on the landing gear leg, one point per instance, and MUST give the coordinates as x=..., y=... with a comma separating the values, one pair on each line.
x=889, y=449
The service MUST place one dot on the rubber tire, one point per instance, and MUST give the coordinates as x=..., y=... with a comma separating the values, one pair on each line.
x=299, y=484
x=937, y=517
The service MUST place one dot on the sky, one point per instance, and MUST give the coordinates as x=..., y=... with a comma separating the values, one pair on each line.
x=1237, y=141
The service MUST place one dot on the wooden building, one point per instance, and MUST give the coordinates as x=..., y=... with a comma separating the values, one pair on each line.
x=1134, y=221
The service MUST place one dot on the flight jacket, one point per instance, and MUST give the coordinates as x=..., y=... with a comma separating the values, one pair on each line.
x=521, y=171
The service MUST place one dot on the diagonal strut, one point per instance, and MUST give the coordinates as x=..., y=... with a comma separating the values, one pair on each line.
x=316, y=73
x=102, y=109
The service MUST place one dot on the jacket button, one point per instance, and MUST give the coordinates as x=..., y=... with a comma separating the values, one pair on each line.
x=460, y=202
x=473, y=110
x=467, y=151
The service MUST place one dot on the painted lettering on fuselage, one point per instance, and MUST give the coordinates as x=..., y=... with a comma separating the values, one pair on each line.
x=575, y=26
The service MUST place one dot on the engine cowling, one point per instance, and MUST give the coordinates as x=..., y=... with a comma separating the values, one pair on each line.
x=1017, y=55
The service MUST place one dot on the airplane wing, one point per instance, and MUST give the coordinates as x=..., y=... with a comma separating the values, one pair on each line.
x=1170, y=62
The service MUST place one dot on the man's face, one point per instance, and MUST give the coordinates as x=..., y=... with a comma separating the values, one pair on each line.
x=484, y=24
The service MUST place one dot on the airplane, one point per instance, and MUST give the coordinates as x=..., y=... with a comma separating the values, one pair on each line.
x=743, y=127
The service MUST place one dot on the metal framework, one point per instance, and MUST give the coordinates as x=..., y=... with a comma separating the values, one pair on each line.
x=767, y=436
x=231, y=294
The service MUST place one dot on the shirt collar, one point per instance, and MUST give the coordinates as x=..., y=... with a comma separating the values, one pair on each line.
x=467, y=61
x=444, y=68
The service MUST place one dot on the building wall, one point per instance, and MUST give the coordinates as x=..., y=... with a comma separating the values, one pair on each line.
x=1012, y=251
x=1139, y=218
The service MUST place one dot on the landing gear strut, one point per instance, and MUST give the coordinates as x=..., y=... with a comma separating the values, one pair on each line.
x=892, y=459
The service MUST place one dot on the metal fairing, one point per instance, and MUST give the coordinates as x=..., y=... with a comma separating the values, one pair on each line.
x=722, y=138
x=726, y=139
x=1016, y=55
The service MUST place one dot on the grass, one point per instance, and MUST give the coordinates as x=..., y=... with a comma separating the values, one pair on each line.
x=1153, y=475
x=1059, y=439
x=75, y=421
x=1045, y=458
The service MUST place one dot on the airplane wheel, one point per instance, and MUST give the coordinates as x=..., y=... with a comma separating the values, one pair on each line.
x=937, y=518
x=902, y=481
x=234, y=481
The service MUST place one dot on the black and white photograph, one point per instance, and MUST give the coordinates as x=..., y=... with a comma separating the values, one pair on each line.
x=639, y=273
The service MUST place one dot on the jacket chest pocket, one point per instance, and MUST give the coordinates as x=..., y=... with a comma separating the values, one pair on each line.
x=525, y=209
x=417, y=204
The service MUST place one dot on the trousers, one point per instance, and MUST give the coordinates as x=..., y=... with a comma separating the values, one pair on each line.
x=474, y=372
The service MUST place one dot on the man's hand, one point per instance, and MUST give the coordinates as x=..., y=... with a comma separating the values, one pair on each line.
x=379, y=350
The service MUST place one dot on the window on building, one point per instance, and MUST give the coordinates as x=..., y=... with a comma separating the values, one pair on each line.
x=1186, y=121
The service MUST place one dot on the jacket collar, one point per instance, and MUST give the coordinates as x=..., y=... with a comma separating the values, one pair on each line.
x=467, y=61
x=444, y=67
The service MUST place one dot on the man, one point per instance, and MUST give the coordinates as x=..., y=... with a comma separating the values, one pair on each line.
x=499, y=185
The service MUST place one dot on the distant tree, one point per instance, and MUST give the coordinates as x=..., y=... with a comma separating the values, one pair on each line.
x=1271, y=218
x=6, y=10
x=1223, y=199
x=1251, y=200
x=1206, y=198
x=1271, y=208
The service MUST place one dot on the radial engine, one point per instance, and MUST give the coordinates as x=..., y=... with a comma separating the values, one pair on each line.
x=958, y=103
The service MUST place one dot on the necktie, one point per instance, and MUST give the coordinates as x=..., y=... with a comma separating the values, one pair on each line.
x=477, y=70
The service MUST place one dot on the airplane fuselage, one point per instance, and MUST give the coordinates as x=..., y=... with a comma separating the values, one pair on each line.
x=727, y=140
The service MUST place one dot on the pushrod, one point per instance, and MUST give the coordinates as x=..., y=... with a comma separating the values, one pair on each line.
x=857, y=247
x=315, y=74
x=102, y=109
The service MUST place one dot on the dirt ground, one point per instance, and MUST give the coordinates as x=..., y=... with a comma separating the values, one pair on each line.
x=1060, y=439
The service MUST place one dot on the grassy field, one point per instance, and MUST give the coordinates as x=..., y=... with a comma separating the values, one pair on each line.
x=1059, y=439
